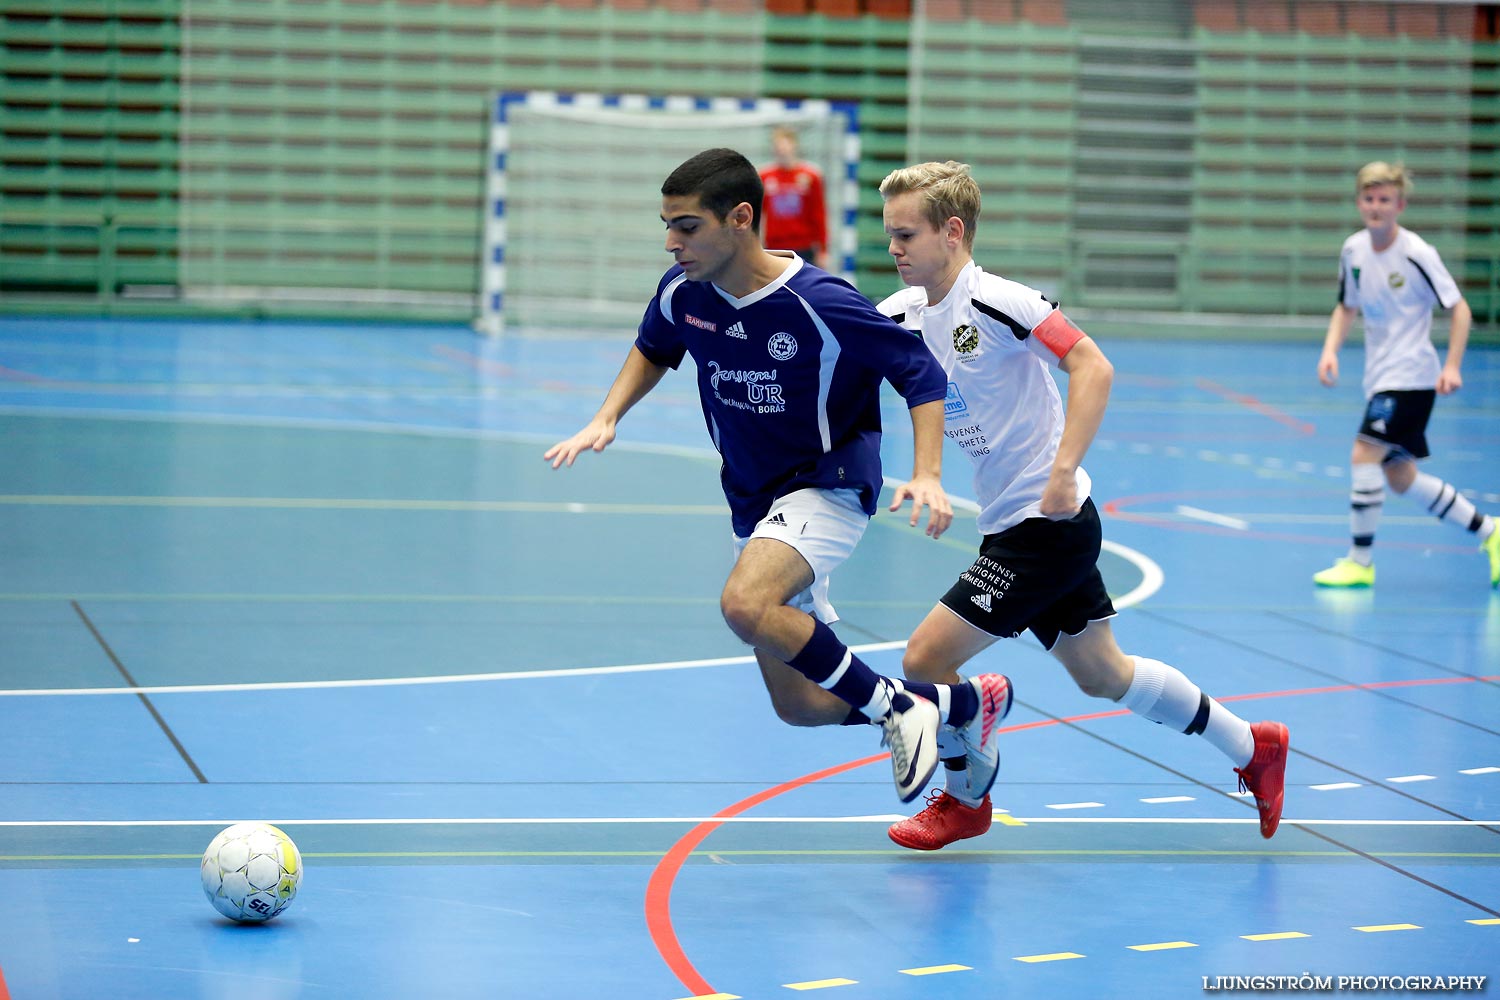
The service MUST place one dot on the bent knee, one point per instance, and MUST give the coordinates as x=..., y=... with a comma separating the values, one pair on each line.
x=1101, y=687
x=742, y=612
x=1105, y=680
x=926, y=661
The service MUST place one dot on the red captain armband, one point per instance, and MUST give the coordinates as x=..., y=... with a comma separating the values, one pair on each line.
x=1057, y=333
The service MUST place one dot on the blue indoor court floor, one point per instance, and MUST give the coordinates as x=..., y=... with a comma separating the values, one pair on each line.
x=319, y=575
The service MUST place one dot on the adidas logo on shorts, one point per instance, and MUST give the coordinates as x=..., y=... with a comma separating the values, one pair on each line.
x=982, y=601
x=777, y=519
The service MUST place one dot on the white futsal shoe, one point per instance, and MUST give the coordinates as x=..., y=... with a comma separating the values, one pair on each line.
x=910, y=729
x=981, y=749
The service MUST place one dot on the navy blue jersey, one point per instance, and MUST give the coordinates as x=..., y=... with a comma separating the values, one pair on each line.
x=789, y=377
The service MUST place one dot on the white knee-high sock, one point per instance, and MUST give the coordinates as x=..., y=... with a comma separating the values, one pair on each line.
x=1162, y=693
x=1446, y=503
x=955, y=770
x=1366, y=502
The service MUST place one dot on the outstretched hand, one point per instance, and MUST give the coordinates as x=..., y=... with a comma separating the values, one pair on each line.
x=594, y=437
x=926, y=491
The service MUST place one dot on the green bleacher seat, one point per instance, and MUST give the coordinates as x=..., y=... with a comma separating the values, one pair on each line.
x=331, y=142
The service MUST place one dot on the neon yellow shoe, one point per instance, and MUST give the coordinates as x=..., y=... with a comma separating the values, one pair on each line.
x=1348, y=573
x=1491, y=547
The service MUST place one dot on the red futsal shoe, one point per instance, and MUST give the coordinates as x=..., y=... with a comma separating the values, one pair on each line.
x=1265, y=775
x=943, y=821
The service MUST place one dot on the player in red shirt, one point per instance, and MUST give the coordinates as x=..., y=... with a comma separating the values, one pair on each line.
x=795, y=213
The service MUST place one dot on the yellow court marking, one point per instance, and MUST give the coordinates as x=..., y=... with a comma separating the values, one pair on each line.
x=1056, y=956
x=1162, y=946
x=1280, y=936
x=820, y=984
x=1377, y=928
x=1005, y=819
x=933, y=970
x=1486, y=922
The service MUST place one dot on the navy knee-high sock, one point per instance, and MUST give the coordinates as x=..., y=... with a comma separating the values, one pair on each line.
x=961, y=701
x=831, y=665
x=828, y=663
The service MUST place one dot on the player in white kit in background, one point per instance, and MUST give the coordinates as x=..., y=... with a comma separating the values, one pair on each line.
x=1037, y=569
x=1395, y=278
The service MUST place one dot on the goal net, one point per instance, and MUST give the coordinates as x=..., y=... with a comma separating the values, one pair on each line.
x=572, y=237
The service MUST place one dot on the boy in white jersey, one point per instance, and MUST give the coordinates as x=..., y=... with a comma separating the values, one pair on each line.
x=1395, y=278
x=997, y=340
x=790, y=360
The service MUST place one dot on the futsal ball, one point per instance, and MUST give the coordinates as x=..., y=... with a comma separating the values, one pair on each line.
x=251, y=872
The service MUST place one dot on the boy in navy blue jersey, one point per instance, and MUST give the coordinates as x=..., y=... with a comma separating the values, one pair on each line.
x=790, y=361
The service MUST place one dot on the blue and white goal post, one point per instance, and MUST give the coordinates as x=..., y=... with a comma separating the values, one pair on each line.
x=573, y=240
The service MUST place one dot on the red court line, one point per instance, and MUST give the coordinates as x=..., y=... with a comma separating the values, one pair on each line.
x=4, y=993
x=474, y=361
x=16, y=375
x=1264, y=409
x=659, y=889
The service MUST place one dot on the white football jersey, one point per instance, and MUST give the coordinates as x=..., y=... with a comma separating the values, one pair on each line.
x=1396, y=289
x=997, y=340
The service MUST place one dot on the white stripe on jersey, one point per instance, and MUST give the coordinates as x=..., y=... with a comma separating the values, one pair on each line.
x=827, y=361
x=665, y=302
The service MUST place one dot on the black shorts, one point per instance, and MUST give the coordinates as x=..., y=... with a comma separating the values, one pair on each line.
x=1040, y=575
x=1399, y=419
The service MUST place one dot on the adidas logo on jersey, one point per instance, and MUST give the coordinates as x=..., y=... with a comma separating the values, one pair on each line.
x=982, y=601
x=777, y=519
x=737, y=331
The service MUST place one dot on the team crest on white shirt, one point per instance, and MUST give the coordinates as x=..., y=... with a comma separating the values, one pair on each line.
x=1396, y=279
x=966, y=338
x=783, y=346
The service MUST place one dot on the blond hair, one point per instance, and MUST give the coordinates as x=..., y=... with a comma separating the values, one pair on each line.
x=1380, y=172
x=948, y=191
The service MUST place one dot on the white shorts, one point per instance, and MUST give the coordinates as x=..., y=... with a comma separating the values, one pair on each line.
x=823, y=526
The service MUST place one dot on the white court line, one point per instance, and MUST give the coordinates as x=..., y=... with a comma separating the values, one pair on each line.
x=1151, y=581
x=516, y=675
x=637, y=820
x=337, y=424
x=359, y=503
x=1222, y=520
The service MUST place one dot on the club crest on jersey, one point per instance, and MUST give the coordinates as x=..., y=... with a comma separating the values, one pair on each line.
x=1397, y=279
x=782, y=346
x=966, y=338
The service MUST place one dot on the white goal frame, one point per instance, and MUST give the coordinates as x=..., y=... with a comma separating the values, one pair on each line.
x=842, y=191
